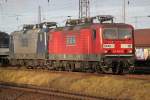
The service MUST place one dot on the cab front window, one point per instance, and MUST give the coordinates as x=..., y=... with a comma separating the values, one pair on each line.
x=110, y=33
x=117, y=33
x=124, y=33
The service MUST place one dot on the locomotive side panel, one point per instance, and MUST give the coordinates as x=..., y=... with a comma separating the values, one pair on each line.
x=73, y=45
x=24, y=45
x=28, y=44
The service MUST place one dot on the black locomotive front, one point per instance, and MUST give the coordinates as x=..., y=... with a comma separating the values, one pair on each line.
x=4, y=48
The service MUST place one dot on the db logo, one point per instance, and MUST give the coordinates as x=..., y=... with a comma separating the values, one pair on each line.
x=117, y=51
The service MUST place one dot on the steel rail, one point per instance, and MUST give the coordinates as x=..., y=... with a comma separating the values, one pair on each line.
x=52, y=92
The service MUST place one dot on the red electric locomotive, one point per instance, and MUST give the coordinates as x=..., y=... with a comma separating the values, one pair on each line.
x=92, y=44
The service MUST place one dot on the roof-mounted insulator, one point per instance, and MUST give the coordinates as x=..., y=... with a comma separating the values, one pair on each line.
x=100, y=18
x=28, y=26
x=34, y=26
x=49, y=24
x=73, y=22
x=103, y=18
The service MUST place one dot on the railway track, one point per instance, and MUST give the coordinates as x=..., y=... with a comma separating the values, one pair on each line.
x=13, y=94
x=64, y=95
x=126, y=76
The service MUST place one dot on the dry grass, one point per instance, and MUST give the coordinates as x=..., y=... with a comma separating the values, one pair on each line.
x=103, y=86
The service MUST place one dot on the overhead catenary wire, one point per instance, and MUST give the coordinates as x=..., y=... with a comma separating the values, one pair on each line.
x=54, y=8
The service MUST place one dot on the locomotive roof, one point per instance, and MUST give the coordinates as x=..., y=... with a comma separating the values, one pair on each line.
x=24, y=31
x=82, y=26
x=142, y=37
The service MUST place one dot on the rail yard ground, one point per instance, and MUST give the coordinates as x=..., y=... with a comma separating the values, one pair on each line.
x=124, y=87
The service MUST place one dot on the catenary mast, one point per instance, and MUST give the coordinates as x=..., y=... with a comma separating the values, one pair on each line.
x=84, y=8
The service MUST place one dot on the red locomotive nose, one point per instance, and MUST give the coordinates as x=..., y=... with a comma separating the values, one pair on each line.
x=125, y=51
x=118, y=50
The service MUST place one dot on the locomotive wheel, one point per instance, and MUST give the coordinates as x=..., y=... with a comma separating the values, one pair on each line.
x=105, y=69
x=13, y=62
x=50, y=65
x=61, y=67
x=120, y=70
x=70, y=67
x=20, y=62
x=126, y=67
x=114, y=69
x=98, y=69
x=67, y=67
x=87, y=67
x=117, y=69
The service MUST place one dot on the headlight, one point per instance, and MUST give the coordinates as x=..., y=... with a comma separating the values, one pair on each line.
x=126, y=45
x=108, y=45
x=130, y=51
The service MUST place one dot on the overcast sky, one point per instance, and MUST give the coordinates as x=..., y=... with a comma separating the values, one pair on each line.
x=15, y=13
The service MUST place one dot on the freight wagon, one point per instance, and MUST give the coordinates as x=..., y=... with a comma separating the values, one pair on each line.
x=142, y=47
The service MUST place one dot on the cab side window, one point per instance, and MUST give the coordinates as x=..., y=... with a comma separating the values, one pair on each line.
x=94, y=34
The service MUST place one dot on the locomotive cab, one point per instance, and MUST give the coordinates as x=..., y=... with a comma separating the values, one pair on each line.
x=117, y=41
x=118, y=48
